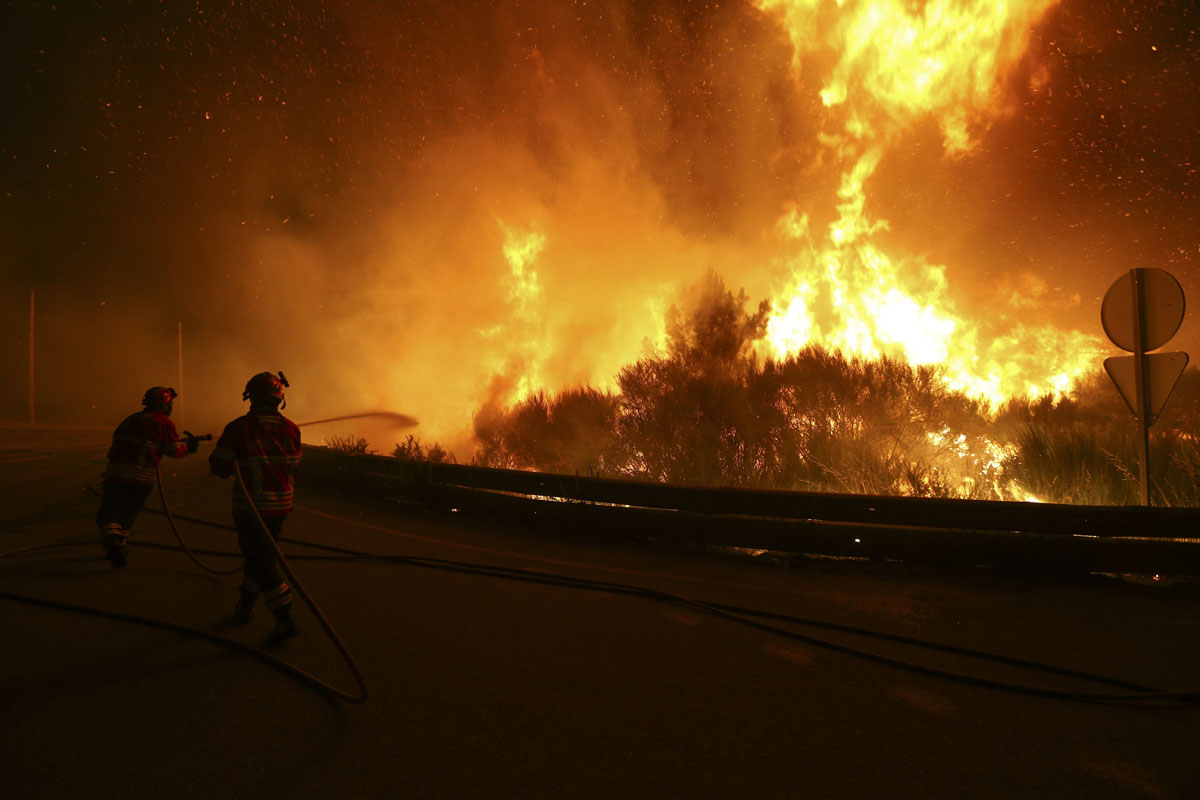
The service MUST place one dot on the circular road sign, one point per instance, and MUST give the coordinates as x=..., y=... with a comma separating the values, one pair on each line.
x=1161, y=312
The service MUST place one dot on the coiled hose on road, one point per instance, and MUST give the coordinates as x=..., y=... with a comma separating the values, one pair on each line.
x=746, y=616
x=311, y=680
x=162, y=496
x=361, y=697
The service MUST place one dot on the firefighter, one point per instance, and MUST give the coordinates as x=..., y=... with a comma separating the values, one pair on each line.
x=138, y=444
x=266, y=447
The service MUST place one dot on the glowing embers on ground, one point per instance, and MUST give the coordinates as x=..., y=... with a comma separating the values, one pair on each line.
x=966, y=461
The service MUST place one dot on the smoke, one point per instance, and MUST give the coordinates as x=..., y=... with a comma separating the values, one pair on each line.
x=596, y=153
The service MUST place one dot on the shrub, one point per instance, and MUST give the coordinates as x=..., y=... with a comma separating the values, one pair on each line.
x=412, y=450
x=350, y=445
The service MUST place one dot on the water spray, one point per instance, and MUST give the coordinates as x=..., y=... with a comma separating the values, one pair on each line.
x=399, y=420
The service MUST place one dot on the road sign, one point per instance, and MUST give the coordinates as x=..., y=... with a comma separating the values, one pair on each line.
x=1161, y=309
x=1162, y=371
x=1141, y=312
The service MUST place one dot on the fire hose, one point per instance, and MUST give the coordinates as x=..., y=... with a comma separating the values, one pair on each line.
x=402, y=420
x=361, y=697
x=754, y=618
x=162, y=496
x=295, y=582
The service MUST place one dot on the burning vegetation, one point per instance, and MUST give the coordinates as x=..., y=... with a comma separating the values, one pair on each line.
x=859, y=373
x=709, y=409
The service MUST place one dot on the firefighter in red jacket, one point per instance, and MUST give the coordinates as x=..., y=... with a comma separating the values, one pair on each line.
x=138, y=444
x=266, y=447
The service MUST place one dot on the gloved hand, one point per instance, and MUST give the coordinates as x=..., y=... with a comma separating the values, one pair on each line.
x=193, y=441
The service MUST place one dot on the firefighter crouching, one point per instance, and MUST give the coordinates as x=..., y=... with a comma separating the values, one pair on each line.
x=138, y=444
x=266, y=448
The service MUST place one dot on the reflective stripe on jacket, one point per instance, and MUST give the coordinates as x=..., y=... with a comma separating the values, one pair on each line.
x=267, y=448
x=139, y=443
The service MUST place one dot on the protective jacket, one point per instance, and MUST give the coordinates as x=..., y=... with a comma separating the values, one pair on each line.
x=267, y=448
x=139, y=443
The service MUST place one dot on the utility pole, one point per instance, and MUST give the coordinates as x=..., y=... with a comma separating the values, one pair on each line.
x=181, y=375
x=32, y=415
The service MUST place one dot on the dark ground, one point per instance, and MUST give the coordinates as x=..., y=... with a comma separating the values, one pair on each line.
x=482, y=687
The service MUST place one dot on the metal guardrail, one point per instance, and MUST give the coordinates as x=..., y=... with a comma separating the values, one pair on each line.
x=1099, y=538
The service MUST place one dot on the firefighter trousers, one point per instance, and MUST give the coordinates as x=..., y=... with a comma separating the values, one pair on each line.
x=261, y=571
x=121, y=502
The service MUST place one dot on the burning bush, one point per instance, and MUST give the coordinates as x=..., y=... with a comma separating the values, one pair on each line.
x=815, y=420
x=706, y=410
x=573, y=432
x=411, y=449
x=1084, y=449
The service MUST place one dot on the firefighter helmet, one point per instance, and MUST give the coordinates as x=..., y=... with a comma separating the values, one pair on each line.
x=264, y=387
x=159, y=397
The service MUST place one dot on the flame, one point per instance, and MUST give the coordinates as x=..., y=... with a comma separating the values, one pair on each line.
x=896, y=64
x=520, y=251
x=595, y=242
x=525, y=329
x=897, y=60
x=969, y=460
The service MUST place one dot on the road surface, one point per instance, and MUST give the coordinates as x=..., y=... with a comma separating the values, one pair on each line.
x=485, y=687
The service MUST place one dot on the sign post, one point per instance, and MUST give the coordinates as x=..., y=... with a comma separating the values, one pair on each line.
x=180, y=416
x=32, y=382
x=1141, y=311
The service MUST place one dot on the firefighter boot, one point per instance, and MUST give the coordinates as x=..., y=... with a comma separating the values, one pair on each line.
x=112, y=539
x=285, y=627
x=243, y=612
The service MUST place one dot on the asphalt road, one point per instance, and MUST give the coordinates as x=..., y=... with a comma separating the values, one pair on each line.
x=485, y=687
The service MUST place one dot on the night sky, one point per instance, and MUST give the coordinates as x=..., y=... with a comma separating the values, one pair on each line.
x=314, y=187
